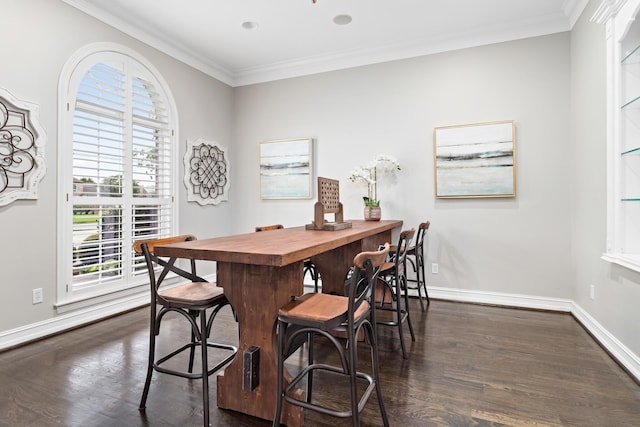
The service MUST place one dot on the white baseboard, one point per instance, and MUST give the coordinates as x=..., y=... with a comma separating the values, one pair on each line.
x=70, y=320
x=66, y=320
x=503, y=299
x=618, y=351
x=625, y=357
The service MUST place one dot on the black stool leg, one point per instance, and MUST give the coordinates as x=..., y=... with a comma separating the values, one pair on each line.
x=280, y=331
x=424, y=280
x=205, y=367
x=376, y=373
x=406, y=308
x=152, y=355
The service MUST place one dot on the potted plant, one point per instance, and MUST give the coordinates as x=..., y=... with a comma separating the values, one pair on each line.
x=380, y=166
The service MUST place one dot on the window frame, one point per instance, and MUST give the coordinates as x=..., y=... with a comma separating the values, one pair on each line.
x=618, y=17
x=71, y=76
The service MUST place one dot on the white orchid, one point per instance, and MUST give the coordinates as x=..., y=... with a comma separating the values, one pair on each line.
x=384, y=165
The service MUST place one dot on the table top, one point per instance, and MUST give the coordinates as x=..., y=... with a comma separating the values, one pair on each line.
x=275, y=247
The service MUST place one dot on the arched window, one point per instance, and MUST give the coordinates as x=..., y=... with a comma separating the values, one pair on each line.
x=118, y=167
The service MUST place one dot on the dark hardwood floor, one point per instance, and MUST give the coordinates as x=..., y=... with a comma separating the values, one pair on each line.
x=472, y=365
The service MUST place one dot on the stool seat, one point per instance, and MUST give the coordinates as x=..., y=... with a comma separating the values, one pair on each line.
x=321, y=310
x=197, y=293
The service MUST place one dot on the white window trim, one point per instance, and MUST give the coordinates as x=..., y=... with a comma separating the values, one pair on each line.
x=80, y=299
x=617, y=15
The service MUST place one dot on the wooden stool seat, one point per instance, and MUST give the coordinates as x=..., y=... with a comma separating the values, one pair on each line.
x=197, y=293
x=320, y=309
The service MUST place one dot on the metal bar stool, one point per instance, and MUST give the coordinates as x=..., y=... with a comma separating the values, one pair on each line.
x=391, y=293
x=190, y=300
x=415, y=256
x=324, y=314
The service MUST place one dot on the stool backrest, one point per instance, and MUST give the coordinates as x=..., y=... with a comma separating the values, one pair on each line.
x=420, y=236
x=400, y=257
x=362, y=278
x=147, y=248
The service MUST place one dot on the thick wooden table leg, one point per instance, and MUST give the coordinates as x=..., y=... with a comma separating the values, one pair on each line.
x=256, y=293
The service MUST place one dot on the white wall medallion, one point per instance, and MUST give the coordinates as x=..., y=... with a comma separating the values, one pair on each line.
x=206, y=172
x=22, y=141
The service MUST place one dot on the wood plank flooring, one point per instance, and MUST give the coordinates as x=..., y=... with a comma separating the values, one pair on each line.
x=471, y=365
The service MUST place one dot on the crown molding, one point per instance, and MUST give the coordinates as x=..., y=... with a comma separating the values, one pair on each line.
x=344, y=59
x=147, y=36
x=359, y=57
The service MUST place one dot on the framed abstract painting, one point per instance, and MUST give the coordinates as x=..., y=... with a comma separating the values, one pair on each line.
x=475, y=160
x=286, y=169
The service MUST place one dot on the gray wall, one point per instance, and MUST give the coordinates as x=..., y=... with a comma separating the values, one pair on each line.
x=517, y=246
x=40, y=36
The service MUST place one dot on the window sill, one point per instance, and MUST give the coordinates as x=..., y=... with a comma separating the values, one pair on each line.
x=630, y=261
x=82, y=302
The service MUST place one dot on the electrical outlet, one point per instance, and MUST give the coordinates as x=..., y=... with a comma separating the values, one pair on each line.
x=592, y=291
x=36, y=297
x=434, y=268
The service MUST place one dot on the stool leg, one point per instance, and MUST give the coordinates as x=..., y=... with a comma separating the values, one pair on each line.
x=310, y=358
x=419, y=280
x=406, y=308
x=152, y=352
x=424, y=280
x=353, y=357
x=399, y=313
x=376, y=373
x=205, y=367
x=280, y=331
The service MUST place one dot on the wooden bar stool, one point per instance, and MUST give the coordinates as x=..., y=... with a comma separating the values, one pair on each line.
x=190, y=300
x=391, y=292
x=415, y=256
x=325, y=314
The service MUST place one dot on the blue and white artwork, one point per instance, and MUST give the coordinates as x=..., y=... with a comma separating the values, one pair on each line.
x=475, y=160
x=286, y=169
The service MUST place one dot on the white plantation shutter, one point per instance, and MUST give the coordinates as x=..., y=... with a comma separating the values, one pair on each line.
x=122, y=171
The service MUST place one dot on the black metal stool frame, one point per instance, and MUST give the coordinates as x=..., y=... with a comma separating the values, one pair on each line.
x=417, y=263
x=190, y=312
x=359, y=288
x=394, y=282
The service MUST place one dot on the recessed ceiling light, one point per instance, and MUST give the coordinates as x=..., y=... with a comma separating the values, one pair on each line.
x=342, y=19
x=250, y=25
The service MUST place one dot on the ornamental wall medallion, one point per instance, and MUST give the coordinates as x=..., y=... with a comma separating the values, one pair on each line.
x=206, y=172
x=22, y=141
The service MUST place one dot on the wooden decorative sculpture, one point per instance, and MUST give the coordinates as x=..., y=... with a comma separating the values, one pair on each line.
x=328, y=203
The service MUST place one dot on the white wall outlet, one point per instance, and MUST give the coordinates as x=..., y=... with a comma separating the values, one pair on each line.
x=434, y=268
x=36, y=297
x=592, y=291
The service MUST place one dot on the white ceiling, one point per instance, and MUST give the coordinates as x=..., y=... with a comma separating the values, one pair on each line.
x=297, y=37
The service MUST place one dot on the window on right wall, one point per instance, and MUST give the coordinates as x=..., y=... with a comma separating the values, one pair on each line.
x=623, y=131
